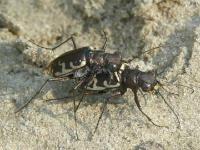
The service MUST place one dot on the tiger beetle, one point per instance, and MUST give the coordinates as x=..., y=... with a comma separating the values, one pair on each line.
x=98, y=72
x=133, y=79
x=80, y=62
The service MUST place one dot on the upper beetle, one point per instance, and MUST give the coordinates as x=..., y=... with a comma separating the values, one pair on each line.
x=96, y=60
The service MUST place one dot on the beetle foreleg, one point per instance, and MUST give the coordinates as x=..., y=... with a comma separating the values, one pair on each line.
x=139, y=107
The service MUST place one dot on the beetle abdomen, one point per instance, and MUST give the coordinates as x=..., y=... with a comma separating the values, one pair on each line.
x=69, y=61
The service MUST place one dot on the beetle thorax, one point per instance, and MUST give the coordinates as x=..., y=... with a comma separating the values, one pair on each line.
x=130, y=78
x=96, y=59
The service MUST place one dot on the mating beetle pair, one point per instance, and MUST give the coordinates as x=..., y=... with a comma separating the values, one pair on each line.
x=99, y=72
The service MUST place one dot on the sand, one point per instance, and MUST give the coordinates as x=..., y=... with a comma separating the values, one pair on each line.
x=132, y=27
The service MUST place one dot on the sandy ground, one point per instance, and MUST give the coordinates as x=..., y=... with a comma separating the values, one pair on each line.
x=133, y=26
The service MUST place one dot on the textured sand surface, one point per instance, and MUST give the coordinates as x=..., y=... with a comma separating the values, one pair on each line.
x=132, y=26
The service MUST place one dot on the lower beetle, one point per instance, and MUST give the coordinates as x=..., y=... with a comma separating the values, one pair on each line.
x=133, y=79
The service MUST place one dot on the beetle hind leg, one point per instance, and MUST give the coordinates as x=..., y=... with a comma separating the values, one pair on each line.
x=38, y=92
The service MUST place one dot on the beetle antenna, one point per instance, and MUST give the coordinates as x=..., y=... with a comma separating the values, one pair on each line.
x=162, y=86
x=149, y=50
x=179, y=124
x=177, y=84
x=134, y=57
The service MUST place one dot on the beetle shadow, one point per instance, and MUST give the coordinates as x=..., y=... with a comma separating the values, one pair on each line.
x=185, y=37
x=13, y=75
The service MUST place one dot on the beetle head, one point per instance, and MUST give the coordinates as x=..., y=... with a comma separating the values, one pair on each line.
x=147, y=81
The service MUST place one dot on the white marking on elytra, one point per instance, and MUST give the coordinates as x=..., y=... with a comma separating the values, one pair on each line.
x=83, y=63
x=99, y=88
x=64, y=70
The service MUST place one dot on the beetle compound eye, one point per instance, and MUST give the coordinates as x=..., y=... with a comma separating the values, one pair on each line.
x=147, y=87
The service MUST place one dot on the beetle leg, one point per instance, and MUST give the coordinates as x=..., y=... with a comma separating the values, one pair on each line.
x=62, y=98
x=82, y=97
x=87, y=80
x=53, y=48
x=76, y=108
x=75, y=118
x=139, y=107
x=105, y=42
x=104, y=107
x=143, y=96
x=43, y=85
x=102, y=111
x=67, y=97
